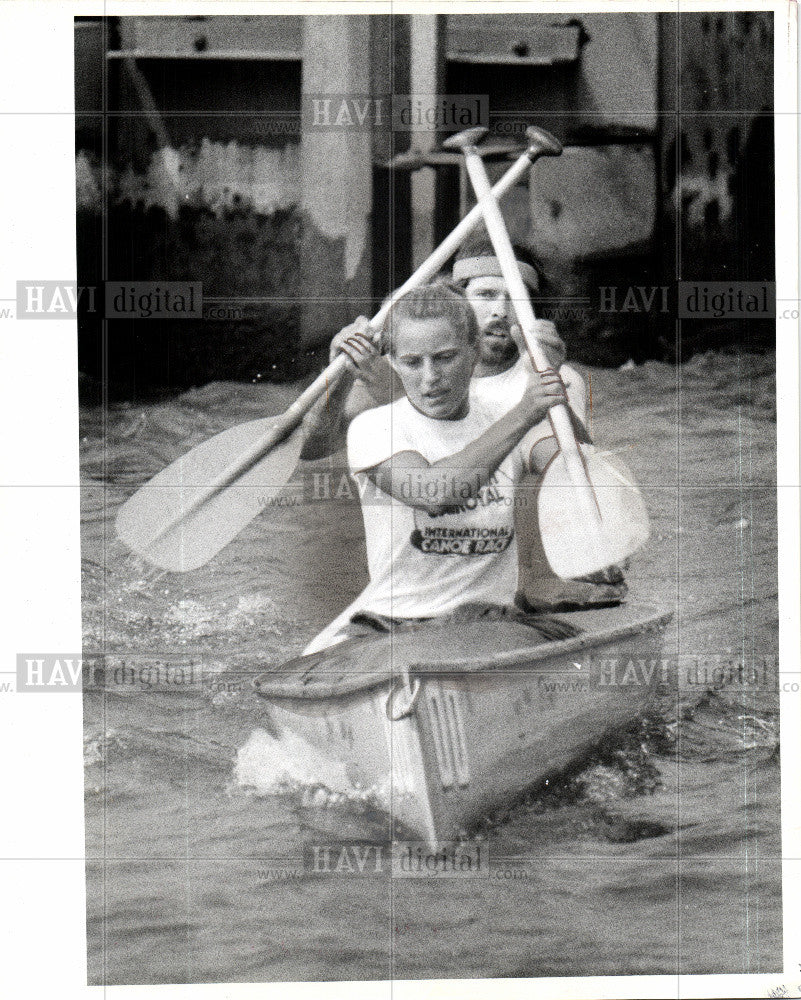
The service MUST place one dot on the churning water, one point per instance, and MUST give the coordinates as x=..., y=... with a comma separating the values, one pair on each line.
x=660, y=854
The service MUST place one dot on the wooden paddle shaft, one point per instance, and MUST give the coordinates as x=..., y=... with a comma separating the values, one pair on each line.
x=558, y=415
x=541, y=143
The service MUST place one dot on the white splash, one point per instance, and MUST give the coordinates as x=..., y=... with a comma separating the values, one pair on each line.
x=269, y=765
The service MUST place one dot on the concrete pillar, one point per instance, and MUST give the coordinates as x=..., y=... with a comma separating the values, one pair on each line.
x=427, y=58
x=336, y=179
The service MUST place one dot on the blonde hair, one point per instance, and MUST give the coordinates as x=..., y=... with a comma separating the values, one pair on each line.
x=440, y=299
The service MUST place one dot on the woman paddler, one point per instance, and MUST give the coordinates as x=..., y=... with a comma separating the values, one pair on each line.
x=436, y=470
x=500, y=376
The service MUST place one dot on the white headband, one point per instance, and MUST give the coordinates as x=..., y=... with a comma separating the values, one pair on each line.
x=481, y=267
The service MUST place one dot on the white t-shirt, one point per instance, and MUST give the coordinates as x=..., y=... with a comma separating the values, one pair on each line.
x=502, y=392
x=424, y=565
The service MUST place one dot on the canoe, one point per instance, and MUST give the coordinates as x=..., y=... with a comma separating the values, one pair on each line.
x=448, y=721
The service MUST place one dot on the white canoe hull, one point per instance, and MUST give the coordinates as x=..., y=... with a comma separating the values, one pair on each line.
x=480, y=729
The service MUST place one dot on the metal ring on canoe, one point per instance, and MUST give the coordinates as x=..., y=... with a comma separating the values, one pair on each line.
x=413, y=691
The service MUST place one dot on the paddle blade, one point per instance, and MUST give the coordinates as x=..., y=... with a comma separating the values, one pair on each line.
x=163, y=522
x=574, y=547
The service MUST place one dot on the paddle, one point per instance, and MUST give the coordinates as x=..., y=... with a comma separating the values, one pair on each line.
x=575, y=547
x=591, y=514
x=189, y=512
x=176, y=522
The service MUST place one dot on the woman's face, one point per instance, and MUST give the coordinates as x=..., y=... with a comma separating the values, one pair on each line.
x=435, y=363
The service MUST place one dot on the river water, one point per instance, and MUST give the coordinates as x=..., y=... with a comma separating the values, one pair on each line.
x=660, y=854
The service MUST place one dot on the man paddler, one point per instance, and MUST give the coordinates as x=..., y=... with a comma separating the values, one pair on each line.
x=437, y=470
x=502, y=373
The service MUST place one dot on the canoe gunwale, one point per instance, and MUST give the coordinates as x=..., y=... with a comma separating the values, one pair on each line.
x=276, y=685
x=544, y=651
